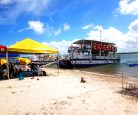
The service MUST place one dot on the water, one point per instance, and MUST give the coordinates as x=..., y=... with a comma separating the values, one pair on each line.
x=129, y=57
x=117, y=69
x=114, y=69
x=111, y=69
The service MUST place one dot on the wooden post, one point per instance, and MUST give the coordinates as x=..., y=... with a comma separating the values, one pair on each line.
x=58, y=63
x=7, y=64
x=122, y=80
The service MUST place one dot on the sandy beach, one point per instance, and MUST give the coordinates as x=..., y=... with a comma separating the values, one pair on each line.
x=61, y=93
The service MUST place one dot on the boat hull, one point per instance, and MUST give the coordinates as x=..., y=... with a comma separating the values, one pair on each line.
x=85, y=65
x=81, y=63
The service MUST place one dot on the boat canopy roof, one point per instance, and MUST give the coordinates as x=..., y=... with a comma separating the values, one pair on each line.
x=88, y=42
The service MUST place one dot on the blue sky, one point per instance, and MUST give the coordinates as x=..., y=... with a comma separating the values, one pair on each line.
x=59, y=22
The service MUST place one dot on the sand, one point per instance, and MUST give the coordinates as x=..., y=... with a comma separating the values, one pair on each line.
x=61, y=93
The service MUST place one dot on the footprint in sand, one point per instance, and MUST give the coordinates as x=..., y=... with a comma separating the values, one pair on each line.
x=27, y=113
x=13, y=92
x=43, y=108
x=84, y=101
x=69, y=97
x=9, y=87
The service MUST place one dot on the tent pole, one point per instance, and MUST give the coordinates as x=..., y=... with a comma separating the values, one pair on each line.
x=122, y=80
x=58, y=63
x=7, y=64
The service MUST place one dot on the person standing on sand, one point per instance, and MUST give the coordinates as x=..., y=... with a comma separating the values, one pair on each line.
x=11, y=70
x=33, y=70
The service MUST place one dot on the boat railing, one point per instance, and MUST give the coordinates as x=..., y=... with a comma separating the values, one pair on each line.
x=82, y=56
x=90, y=57
x=103, y=57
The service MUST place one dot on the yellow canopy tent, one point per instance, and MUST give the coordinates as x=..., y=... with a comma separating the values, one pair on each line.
x=24, y=61
x=31, y=47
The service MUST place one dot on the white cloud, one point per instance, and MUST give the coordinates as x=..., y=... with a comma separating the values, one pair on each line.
x=57, y=32
x=62, y=46
x=33, y=7
x=40, y=28
x=36, y=26
x=133, y=25
x=87, y=26
x=66, y=27
x=61, y=29
x=4, y=2
x=125, y=42
x=133, y=33
x=110, y=34
x=23, y=29
x=128, y=7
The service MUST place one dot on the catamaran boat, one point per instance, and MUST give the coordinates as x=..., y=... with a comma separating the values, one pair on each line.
x=86, y=53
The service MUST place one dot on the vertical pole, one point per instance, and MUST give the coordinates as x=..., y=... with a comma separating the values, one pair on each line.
x=7, y=64
x=101, y=43
x=91, y=50
x=39, y=63
x=83, y=47
x=58, y=63
x=122, y=80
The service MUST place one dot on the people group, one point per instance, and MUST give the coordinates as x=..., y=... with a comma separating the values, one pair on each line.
x=16, y=69
x=13, y=71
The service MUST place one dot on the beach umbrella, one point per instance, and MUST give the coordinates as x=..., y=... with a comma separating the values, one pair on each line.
x=3, y=61
x=24, y=61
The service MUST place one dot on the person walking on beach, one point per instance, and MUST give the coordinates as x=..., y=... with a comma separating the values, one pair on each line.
x=11, y=70
x=33, y=70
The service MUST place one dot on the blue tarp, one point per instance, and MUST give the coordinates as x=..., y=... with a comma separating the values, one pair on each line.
x=9, y=55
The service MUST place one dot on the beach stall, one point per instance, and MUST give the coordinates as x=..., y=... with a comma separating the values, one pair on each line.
x=29, y=46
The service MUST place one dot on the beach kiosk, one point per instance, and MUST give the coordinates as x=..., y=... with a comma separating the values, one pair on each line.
x=29, y=46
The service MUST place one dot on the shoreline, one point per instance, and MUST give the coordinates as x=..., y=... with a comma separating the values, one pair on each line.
x=63, y=94
x=98, y=75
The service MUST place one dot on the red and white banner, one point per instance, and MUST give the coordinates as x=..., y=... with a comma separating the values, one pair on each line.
x=103, y=47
